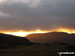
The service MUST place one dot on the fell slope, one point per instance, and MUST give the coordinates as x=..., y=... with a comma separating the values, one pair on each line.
x=52, y=38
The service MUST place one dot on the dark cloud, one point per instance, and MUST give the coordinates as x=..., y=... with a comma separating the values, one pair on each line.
x=48, y=14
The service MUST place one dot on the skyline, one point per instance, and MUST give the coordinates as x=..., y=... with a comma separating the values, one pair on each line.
x=25, y=33
x=30, y=15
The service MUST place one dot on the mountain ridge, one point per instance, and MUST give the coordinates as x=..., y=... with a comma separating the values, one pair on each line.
x=52, y=37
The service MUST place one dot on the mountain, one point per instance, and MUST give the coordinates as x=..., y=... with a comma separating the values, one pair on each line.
x=10, y=40
x=59, y=42
x=52, y=37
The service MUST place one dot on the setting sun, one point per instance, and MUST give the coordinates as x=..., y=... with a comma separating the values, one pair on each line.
x=25, y=33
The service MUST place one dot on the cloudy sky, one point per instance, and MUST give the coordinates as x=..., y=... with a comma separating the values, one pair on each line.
x=33, y=14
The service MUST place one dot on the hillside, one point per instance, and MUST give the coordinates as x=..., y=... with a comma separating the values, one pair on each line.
x=52, y=37
x=9, y=40
x=37, y=50
x=47, y=44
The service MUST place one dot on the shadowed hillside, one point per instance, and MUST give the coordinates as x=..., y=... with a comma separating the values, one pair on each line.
x=9, y=40
x=52, y=38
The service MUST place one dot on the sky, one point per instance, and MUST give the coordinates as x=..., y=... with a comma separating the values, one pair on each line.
x=33, y=14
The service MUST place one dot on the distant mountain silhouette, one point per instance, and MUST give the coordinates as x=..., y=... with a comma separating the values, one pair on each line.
x=10, y=40
x=52, y=37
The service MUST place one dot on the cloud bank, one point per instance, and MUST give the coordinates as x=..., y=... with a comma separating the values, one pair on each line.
x=33, y=14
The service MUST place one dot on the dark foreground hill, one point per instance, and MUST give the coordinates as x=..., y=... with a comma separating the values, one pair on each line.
x=9, y=40
x=37, y=50
x=52, y=38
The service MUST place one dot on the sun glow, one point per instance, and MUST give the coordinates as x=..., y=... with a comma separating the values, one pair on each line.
x=67, y=30
x=25, y=33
